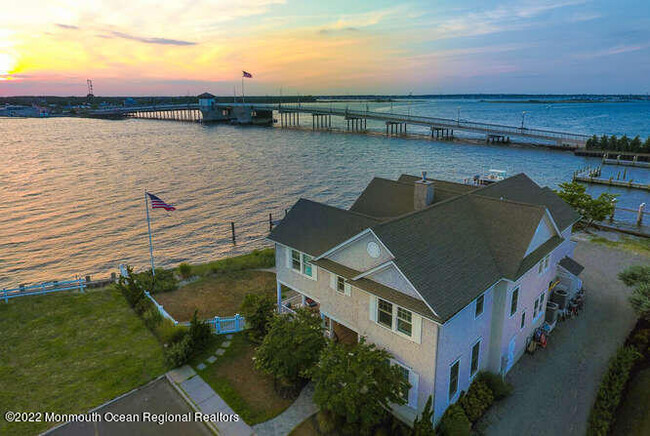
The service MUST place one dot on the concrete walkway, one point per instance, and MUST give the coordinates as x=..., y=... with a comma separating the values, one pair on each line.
x=207, y=401
x=555, y=388
x=300, y=410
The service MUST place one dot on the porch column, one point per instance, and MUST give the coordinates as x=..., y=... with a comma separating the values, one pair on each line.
x=279, y=292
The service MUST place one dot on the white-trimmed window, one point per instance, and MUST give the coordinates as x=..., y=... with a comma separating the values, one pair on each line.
x=538, y=306
x=404, y=321
x=543, y=264
x=453, y=379
x=476, y=352
x=411, y=396
x=523, y=320
x=385, y=313
x=514, y=299
x=400, y=320
x=480, y=301
x=340, y=284
x=301, y=263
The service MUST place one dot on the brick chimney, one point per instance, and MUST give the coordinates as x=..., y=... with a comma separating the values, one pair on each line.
x=423, y=192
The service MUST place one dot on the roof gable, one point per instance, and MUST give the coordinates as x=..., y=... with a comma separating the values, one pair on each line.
x=314, y=228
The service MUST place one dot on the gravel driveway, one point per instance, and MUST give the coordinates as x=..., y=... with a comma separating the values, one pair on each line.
x=555, y=387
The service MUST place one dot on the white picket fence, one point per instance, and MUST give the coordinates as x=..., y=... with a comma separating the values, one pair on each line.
x=42, y=288
x=220, y=325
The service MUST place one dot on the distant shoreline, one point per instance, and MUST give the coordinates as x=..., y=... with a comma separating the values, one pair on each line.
x=585, y=100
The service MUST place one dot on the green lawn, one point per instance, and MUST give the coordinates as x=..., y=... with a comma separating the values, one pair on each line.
x=264, y=258
x=247, y=391
x=70, y=352
x=632, y=418
x=629, y=243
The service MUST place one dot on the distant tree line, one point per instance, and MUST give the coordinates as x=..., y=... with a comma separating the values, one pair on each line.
x=619, y=144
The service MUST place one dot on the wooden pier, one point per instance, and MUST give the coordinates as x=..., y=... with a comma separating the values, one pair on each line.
x=592, y=175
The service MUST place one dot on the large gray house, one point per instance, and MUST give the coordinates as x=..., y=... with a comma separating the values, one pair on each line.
x=450, y=278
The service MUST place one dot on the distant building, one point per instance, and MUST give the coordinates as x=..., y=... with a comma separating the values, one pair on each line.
x=130, y=101
x=24, y=111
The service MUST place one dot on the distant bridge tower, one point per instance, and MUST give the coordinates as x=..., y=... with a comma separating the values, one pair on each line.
x=90, y=95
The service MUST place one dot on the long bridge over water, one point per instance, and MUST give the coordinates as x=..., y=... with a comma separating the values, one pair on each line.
x=355, y=120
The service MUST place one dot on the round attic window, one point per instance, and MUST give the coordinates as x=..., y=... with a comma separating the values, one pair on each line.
x=373, y=250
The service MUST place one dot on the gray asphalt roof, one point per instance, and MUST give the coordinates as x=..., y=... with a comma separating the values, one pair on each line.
x=451, y=251
x=571, y=265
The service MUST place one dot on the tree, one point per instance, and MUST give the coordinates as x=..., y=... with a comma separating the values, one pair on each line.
x=591, y=209
x=624, y=143
x=291, y=347
x=592, y=142
x=258, y=311
x=604, y=143
x=636, y=144
x=639, y=277
x=423, y=425
x=357, y=384
x=200, y=332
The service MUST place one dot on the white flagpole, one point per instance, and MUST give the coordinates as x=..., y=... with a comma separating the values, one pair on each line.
x=242, y=88
x=146, y=206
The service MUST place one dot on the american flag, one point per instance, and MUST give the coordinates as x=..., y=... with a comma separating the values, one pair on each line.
x=247, y=75
x=157, y=203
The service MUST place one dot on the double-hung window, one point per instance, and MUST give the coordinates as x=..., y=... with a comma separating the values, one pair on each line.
x=301, y=263
x=476, y=349
x=513, y=301
x=295, y=260
x=479, y=306
x=543, y=264
x=404, y=372
x=453, y=379
x=404, y=321
x=340, y=284
x=385, y=313
x=538, y=307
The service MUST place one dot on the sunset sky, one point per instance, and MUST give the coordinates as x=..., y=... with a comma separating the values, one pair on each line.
x=159, y=47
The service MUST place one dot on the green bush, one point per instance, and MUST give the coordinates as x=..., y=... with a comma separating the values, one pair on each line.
x=423, y=425
x=200, y=333
x=165, y=281
x=179, y=353
x=326, y=422
x=168, y=333
x=499, y=387
x=610, y=391
x=152, y=318
x=258, y=311
x=641, y=341
x=454, y=422
x=477, y=400
x=185, y=270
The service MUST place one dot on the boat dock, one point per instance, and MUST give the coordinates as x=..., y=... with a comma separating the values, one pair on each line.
x=592, y=175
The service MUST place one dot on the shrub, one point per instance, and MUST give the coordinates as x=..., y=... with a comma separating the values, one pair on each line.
x=611, y=390
x=168, y=333
x=499, y=387
x=454, y=422
x=641, y=341
x=152, y=318
x=423, y=425
x=185, y=270
x=258, y=311
x=255, y=259
x=477, y=400
x=291, y=347
x=326, y=422
x=131, y=289
x=635, y=275
x=357, y=384
x=165, y=280
x=179, y=353
x=200, y=333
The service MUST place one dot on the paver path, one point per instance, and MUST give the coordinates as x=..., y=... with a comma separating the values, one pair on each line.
x=208, y=401
x=300, y=410
x=555, y=388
